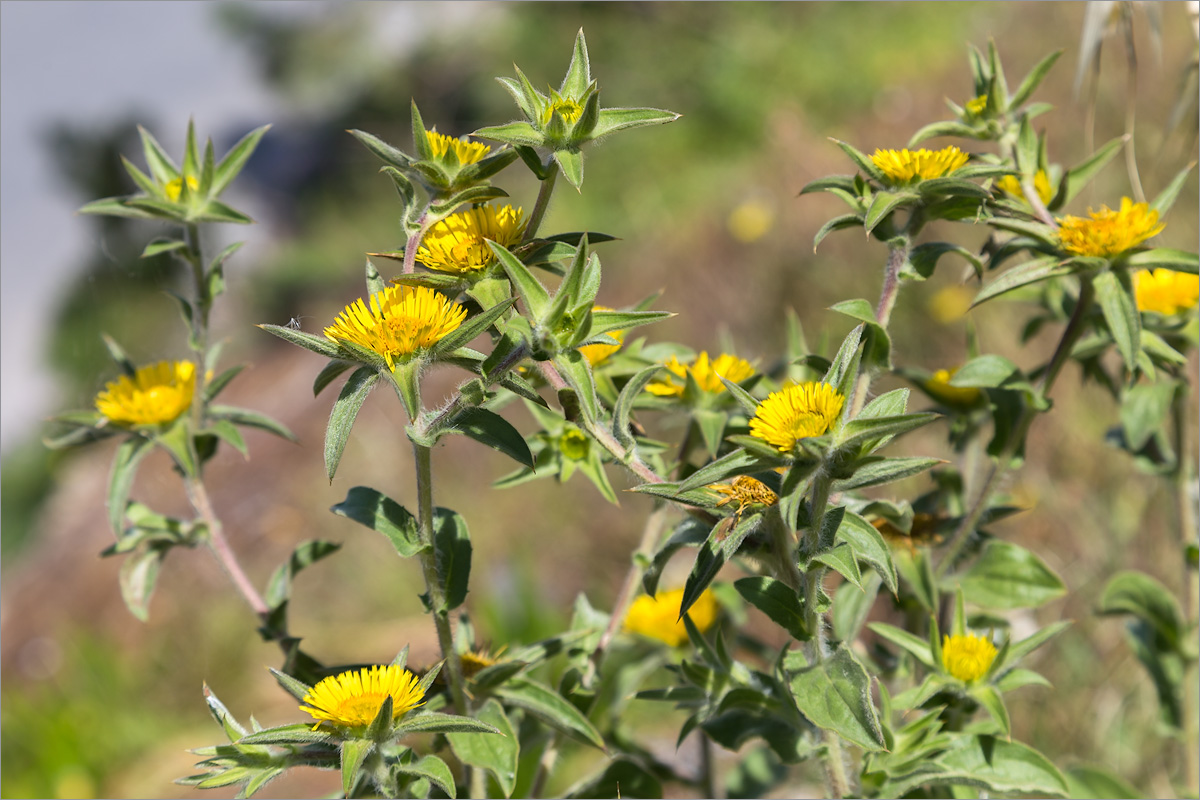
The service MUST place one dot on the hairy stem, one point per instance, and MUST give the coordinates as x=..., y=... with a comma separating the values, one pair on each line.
x=221, y=549
x=414, y=242
x=1062, y=352
x=1185, y=522
x=543, y=202
x=897, y=255
x=433, y=583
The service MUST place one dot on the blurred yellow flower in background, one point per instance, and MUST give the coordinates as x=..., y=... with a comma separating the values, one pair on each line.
x=154, y=395
x=707, y=374
x=1107, y=233
x=1166, y=291
x=599, y=353
x=939, y=386
x=658, y=617
x=1011, y=185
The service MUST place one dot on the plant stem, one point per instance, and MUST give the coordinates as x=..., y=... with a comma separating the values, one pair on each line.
x=542, y=203
x=897, y=255
x=708, y=775
x=1062, y=352
x=1185, y=522
x=221, y=549
x=433, y=583
x=414, y=241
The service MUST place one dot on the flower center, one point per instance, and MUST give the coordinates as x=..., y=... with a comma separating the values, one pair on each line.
x=361, y=709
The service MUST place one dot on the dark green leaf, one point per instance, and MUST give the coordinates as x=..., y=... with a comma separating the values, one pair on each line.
x=1007, y=576
x=1114, y=293
x=452, y=547
x=836, y=696
x=1039, y=269
x=494, y=431
x=250, y=419
x=497, y=754
x=1137, y=593
x=1091, y=782
x=778, y=601
x=345, y=410
x=550, y=707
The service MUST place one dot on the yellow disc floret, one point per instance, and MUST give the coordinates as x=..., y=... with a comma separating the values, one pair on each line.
x=467, y=152
x=658, y=617
x=568, y=109
x=1166, y=291
x=968, y=657
x=909, y=166
x=797, y=412
x=174, y=188
x=1107, y=233
x=458, y=244
x=400, y=321
x=707, y=374
x=353, y=699
x=154, y=395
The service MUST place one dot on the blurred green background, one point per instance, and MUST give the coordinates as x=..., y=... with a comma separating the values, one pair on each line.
x=97, y=704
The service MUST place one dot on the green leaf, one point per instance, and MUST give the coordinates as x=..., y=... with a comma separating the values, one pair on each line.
x=532, y=293
x=945, y=128
x=118, y=355
x=452, y=548
x=1114, y=293
x=471, y=194
x=605, y=321
x=1091, y=782
x=571, y=164
x=1144, y=411
x=1007, y=576
x=1137, y=593
x=869, y=547
x=851, y=605
x=1033, y=79
x=624, y=405
x=159, y=246
x=883, y=204
x=924, y=257
x=914, y=645
x=1004, y=766
x=843, y=370
x=161, y=166
x=987, y=371
x=493, y=430
x=354, y=753
x=233, y=161
x=296, y=733
x=720, y=546
x=432, y=769
x=547, y=705
x=990, y=699
x=139, y=574
x=279, y=588
x=622, y=777
x=875, y=471
x=835, y=695
x=380, y=513
x=1019, y=650
x=341, y=418
x=216, y=211
x=1166, y=198
x=778, y=601
x=218, y=384
x=250, y=419
x=1081, y=174
x=861, y=161
x=690, y=531
x=383, y=150
x=317, y=344
x=514, y=133
x=612, y=120
x=497, y=754
x=1164, y=258
x=296, y=688
x=1039, y=269
x=329, y=373
x=432, y=722
x=125, y=464
x=578, y=374
x=836, y=224
x=841, y=558
x=873, y=433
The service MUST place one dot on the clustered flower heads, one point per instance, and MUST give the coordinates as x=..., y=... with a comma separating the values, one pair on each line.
x=1166, y=291
x=1107, y=233
x=967, y=657
x=658, y=617
x=353, y=699
x=154, y=395
x=458, y=244
x=910, y=166
x=400, y=321
x=707, y=374
x=797, y=412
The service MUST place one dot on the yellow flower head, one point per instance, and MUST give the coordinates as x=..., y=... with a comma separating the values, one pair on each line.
x=599, y=353
x=175, y=188
x=458, y=243
x=658, y=616
x=475, y=660
x=939, y=386
x=1166, y=291
x=950, y=303
x=573, y=444
x=1011, y=185
x=908, y=166
x=967, y=658
x=399, y=321
x=976, y=106
x=745, y=491
x=567, y=108
x=353, y=699
x=156, y=394
x=707, y=374
x=467, y=152
x=797, y=412
x=1107, y=233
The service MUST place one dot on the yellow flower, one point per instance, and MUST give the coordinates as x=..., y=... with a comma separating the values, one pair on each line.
x=907, y=166
x=1011, y=185
x=745, y=491
x=574, y=445
x=156, y=394
x=707, y=374
x=567, y=108
x=465, y=151
x=175, y=188
x=950, y=303
x=400, y=321
x=1166, y=291
x=599, y=353
x=458, y=243
x=353, y=699
x=967, y=658
x=797, y=412
x=658, y=617
x=475, y=660
x=939, y=386
x=976, y=106
x=1109, y=233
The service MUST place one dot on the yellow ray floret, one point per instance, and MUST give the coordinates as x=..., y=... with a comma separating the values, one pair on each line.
x=400, y=321
x=967, y=658
x=154, y=395
x=599, y=353
x=1106, y=233
x=797, y=412
x=909, y=166
x=458, y=243
x=353, y=699
x=706, y=373
x=1011, y=185
x=939, y=386
x=1166, y=291
x=977, y=105
x=567, y=108
x=658, y=617
x=467, y=152
x=174, y=188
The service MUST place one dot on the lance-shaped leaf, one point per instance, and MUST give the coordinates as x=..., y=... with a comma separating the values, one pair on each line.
x=1114, y=293
x=721, y=545
x=380, y=513
x=129, y=455
x=452, y=548
x=836, y=696
x=1033, y=79
x=279, y=587
x=836, y=224
x=612, y=120
x=875, y=471
x=1081, y=174
x=497, y=754
x=738, y=462
x=1007, y=576
x=250, y=419
x=778, y=601
x=1165, y=258
x=493, y=430
x=1166, y=198
x=433, y=722
x=354, y=753
x=923, y=258
x=1144, y=597
x=549, y=706
x=432, y=769
x=861, y=161
x=883, y=204
x=624, y=404
x=876, y=432
x=843, y=370
x=345, y=410
x=571, y=164
x=233, y=161
x=868, y=546
x=529, y=288
x=578, y=374
x=317, y=344
x=138, y=578
x=1039, y=269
